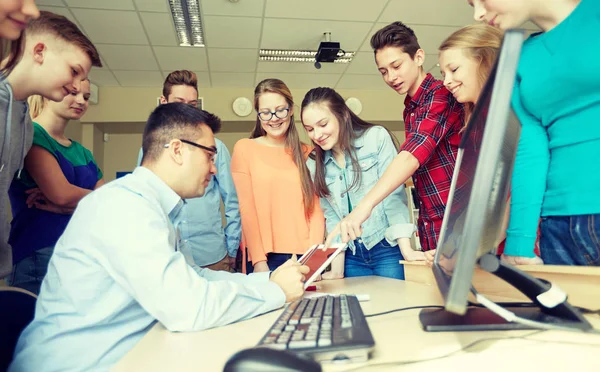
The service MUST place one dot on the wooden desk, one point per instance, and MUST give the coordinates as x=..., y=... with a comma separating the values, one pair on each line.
x=398, y=337
x=581, y=283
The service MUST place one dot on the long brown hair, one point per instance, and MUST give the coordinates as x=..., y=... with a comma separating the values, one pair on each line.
x=351, y=128
x=292, y=139
x=481, y=42
x=12, y=50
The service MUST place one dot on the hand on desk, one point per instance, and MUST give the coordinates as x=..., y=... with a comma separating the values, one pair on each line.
x=429, y=256
x=408, y=253
x=519, y=260
x=290, y=278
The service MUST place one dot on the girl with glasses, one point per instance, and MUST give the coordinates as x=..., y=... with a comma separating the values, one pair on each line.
x=280, y=212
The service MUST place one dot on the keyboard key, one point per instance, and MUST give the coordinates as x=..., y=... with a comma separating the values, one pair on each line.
x=302, y=344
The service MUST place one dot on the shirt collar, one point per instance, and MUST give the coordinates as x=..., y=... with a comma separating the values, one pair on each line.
x=420, y=93
x=358, y=143
x=169, y=201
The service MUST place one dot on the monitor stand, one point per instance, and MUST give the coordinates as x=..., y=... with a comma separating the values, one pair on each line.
x=541, y=293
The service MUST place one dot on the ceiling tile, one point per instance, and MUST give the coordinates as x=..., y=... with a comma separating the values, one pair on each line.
x=125, y=27
x=159, y=28
x=363, y=63
x=302, y=81
x=430, y=37
x=307, y=34
x=139, y=78
x=152, y=6
x=181, y=58
x=101, y=4
x=234, y=60
x=245, y=8
x=339, y=10
x=447, y=12
x=232, y=32
x=128, y=57
x=232, y=80
x=103, y=78
x=367, y=82
x=61, y=11
x=49, y=2
x=203, y=79
x=301, y=67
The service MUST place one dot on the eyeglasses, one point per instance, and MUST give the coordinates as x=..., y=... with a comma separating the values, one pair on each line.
x=211, y=150
x=268, y=115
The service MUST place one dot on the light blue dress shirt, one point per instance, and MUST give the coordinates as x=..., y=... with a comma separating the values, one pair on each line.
x=201, y=222
x=119, y=268
x=390, y=219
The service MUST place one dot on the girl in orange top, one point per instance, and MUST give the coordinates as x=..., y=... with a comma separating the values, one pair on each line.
x=280, y=211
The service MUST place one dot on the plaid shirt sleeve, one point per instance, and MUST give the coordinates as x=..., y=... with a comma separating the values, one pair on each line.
x=434, y=119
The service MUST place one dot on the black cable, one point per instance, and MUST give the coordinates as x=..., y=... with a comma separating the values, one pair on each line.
x=403, y=309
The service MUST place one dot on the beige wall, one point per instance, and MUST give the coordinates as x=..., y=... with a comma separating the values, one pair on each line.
x=129, y=105
x=121, y=150
x=121, y=114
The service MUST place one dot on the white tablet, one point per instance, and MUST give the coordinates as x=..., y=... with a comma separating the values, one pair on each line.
x=317, y=259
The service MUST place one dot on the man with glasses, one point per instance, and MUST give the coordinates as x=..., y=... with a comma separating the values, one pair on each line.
x=212, y=246
x=120, y=265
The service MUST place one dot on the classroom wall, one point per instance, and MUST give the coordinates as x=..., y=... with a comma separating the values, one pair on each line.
x=122, y=112
x=121, y=150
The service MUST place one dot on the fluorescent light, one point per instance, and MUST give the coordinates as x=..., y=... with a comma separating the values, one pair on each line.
x=187, y=21
x=280, y=55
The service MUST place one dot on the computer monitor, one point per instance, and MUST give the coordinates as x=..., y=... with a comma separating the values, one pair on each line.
x=472, y=223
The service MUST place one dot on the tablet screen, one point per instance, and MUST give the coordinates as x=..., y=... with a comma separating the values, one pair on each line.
x=318, y=259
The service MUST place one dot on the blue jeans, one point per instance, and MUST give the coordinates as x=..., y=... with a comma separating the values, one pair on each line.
x=571, y=240
x=274, y=260
x=381, y=260
x=30, y=271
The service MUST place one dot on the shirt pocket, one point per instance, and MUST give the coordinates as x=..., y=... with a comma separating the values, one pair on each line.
x=369, y=173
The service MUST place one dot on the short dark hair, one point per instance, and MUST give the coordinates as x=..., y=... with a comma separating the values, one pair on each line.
x=60, y=27
x=174, y=120
x=179, y=77
x=396, y=34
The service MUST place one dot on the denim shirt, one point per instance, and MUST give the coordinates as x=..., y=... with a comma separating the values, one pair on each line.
x=390, y=219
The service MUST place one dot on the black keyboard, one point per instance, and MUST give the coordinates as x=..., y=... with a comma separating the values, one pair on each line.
x=324, y=328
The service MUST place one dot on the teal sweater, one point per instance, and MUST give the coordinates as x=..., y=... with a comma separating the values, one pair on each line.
x=557, y=100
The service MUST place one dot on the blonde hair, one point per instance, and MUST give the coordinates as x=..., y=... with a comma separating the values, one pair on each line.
x=480, y=42
x=36, y=105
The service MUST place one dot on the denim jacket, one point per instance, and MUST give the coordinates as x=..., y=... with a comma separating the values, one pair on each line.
x=390, y=218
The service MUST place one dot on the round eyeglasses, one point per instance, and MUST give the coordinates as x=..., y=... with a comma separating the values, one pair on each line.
x=268, y=115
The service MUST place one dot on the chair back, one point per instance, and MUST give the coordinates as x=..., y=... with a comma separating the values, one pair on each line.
x=17, y=308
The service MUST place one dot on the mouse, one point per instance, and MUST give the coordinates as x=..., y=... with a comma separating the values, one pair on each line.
x=263, y=359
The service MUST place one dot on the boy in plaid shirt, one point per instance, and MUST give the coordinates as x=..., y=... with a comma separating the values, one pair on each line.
x=433, y=121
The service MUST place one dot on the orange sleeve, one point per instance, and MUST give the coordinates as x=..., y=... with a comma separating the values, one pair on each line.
x=242, y=179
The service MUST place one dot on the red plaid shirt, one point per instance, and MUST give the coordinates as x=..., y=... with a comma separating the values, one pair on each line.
x=433, y=120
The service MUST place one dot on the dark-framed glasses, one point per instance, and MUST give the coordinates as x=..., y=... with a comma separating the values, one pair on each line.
x=268, y=115
x=212, y=151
